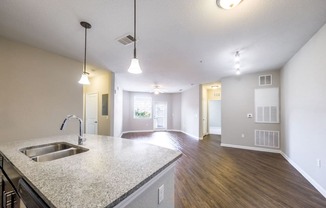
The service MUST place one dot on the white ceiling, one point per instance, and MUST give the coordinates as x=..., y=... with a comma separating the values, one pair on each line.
x=181, y=42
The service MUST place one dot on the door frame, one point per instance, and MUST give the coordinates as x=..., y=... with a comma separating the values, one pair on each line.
x=166, y=115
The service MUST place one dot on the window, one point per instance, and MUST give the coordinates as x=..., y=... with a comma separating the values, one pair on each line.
x=142, y=107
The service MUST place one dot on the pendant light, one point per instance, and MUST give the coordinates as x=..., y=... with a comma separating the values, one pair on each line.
x=84, y=78
x=134, y=66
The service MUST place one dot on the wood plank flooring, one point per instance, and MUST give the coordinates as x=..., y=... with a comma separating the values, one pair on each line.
x=211, y=176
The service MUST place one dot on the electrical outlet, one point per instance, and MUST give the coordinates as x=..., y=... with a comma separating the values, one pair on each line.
x=160, y=194
x=318, y=163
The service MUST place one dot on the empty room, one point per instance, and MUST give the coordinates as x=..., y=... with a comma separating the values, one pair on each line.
x=163, y=104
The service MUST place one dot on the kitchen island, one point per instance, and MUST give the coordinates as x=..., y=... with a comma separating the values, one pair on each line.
x=114, y=172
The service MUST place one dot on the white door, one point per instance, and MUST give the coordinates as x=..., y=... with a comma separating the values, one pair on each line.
x=160, y=116
x=91, y=113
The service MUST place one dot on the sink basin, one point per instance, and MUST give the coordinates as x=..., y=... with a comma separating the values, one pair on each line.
x=52, y=151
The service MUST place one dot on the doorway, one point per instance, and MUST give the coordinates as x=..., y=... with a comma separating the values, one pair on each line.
x=91, y=113
x=160, y=116
x=215, y=117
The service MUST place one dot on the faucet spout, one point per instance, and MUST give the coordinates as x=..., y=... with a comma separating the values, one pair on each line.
x=81, y=138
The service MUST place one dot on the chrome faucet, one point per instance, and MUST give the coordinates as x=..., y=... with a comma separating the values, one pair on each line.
x=81, y=138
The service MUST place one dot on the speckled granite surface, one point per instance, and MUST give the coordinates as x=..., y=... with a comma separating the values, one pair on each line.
x=112, y=169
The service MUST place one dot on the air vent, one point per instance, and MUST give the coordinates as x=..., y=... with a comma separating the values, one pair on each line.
x=267, y=105
x=126, y=40
x=265, y=138
x=265, y=80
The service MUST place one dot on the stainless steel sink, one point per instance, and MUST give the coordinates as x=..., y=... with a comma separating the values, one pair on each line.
x=52, y=151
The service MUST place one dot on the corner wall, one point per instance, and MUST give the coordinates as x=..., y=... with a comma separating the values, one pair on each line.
x=304, y=110
x=38, y=90
x=190, y=111
x=238, y=99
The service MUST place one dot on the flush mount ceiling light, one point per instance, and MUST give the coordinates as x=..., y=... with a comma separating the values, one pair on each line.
x=215, y=87
x=84, y=78
x=227, y=4
x=134, y=66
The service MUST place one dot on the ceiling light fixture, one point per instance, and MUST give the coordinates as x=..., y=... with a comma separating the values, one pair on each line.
x=227, y=4
x=237, y=57
x=84, y=78
x=237, y=63
x=156, y=90
x=215, y=87
x=134, y=66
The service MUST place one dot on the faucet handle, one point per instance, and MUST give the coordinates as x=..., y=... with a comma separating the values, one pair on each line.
x=81, y=140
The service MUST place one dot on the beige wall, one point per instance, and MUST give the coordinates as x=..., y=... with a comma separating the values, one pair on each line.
x=38, y=89
x=214, y=94
x=237, y=102
x=101, y=84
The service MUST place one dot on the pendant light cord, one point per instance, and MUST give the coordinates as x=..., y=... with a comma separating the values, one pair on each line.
x=135, y=55
x=85, y=50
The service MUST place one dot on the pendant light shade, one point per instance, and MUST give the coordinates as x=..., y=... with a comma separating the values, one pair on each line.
x=227, y=4
x=84, y=78
x=134, y=66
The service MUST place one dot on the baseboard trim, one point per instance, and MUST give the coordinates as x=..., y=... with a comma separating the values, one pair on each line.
x=251, y=148
x=196, y=137
x=304, y=174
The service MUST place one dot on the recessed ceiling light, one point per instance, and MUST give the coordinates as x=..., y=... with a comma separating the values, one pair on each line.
x=227, y=4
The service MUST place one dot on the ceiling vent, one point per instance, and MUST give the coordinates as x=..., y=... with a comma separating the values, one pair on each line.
x=126, y=40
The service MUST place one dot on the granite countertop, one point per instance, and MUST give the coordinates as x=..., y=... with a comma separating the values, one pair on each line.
x=112, y=169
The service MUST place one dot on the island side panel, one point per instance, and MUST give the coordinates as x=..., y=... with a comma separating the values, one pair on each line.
x=148, y=195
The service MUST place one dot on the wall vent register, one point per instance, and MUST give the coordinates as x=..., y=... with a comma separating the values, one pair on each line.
x=264, y=138
x=265, y=80
x=267, y=105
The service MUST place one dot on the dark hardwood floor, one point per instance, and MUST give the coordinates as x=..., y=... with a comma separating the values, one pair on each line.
x=211, y=176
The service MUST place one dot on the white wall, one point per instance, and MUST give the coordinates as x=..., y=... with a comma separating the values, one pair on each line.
x=304, y=108
x=190, y=107
x=176, y=111
x=38, y=89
